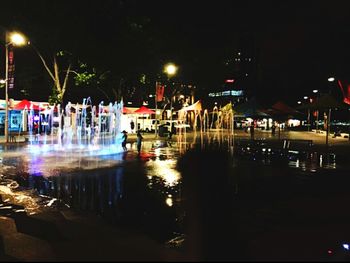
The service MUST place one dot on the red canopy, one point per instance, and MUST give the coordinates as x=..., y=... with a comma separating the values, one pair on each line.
x=26, y=104
x=144, y=110
x=280, y=106
x=126, y=110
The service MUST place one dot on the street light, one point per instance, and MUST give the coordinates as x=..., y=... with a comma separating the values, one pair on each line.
x=170, y=69
x=308, y=115
x=317, y=117
x=15, y=39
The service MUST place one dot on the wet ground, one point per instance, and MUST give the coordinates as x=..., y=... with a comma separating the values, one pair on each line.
x=286, y=202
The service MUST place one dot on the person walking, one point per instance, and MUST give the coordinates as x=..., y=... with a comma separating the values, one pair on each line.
x=273, y=129
x=124, y=139
x=139, y=141
x=252, y=131
x=132, y=126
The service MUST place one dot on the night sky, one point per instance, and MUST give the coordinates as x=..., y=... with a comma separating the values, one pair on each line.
x=299, y=43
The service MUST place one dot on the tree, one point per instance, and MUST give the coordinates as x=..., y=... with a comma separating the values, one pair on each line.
x=83, y=75
x=59, y=85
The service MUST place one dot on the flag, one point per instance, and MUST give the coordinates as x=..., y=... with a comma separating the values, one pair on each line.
x=345, y=91
x=159, y=92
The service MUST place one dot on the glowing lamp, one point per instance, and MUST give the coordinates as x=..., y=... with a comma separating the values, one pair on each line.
x=17, y=39
x=170, y=69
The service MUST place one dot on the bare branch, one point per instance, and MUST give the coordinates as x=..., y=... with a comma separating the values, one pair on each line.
x=45, y=65
x=57, y=78
x=65, y=80
x=73, y=71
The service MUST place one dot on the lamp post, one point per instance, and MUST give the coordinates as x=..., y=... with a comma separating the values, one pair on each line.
x=15, y=39
x=308, y=115
x=156, y=109
x=316, y=92
x=170, y=69
x=332, y=79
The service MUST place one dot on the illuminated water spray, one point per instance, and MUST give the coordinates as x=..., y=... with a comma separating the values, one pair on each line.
x=79, y=128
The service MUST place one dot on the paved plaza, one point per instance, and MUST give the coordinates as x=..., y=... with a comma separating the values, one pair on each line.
x=65, y=235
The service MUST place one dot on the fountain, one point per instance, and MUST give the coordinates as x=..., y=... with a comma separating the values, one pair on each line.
x=77, y=129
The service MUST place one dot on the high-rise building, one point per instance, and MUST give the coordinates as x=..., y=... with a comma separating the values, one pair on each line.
x=241, y=76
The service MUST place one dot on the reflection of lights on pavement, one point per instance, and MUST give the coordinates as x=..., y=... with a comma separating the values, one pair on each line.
x=164, y=169
x=169, y=200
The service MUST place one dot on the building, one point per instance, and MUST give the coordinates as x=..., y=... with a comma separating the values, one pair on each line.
x=240, y=74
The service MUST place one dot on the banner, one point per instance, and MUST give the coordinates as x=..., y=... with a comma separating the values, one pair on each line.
x=159, y=92
x=11, y=69
x=346, y=92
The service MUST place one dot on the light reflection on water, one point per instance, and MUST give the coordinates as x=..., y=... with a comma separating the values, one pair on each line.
x=127, y=187
x=164, y=169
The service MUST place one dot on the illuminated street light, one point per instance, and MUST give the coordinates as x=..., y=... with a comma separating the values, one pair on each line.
x=315, y=91
x=299, y=102
x=306, y=97
x=15, y=39
x=170, y=69
x=331, y=79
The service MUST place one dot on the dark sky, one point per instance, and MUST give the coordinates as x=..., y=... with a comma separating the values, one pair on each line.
x=300, y=43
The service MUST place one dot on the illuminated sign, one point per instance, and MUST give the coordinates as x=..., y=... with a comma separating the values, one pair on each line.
x=235, y=93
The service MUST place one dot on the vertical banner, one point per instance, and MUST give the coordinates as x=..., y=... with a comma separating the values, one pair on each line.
x=345, y=91
x=11, y=68
x=159, y=92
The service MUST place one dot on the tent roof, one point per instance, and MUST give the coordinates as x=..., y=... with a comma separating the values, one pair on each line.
x=127, y=110
x=284, y=108
x=251, y=109
x=144, y=110
x=195, y=106
x=25, y=104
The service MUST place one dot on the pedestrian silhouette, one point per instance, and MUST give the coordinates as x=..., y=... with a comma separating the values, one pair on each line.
x=132, y=125
x=139, y=141
x=252, y=131
x=124, y=140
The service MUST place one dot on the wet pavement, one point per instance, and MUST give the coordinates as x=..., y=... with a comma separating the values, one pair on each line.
x=288, y=200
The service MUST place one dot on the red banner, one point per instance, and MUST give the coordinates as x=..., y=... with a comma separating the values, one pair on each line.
x=159, y=92
x=11, y=69
x=345, y=91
